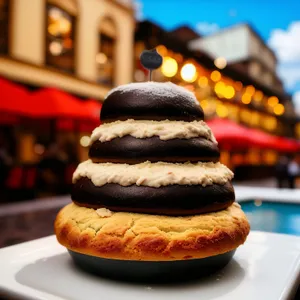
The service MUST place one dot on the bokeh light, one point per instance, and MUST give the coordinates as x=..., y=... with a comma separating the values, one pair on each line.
x=250, y=90
x=258, y=96
x=189, y=72
x=85, y=141
x=215, y=76
x=220, y=62
x=246, y=98
x=221, y=110
x=169, y=67
x=279, y=109
x=272, y=101
x=203, y=81
x=229, y=92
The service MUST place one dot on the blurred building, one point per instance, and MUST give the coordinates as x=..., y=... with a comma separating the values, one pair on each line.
x=238, y=83
x=244, y=49
x=80, y=46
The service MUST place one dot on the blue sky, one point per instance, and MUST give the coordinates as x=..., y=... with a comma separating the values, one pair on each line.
x=277, y=21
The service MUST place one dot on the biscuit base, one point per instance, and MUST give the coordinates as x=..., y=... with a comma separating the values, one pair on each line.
x=132, y=236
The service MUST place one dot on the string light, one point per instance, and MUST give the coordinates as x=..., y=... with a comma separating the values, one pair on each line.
x=246, y=98
x=229, y=92
x=272, y=101
x=162, y=50
x=250, y=90
x=245, y=115
x=222, y=110
x=270, y=123
x=238, y=86
x=219, y=88
x=255, y=118
x=215, y=76
x=55, y=48
x=258, y=96
x=169, y=67
x=203, y=81
x=85, y=141
x=220, y=62
x=278, y=109
x=189, y=72
x=101, y=58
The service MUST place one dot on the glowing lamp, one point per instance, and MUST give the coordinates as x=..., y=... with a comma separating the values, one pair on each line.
x=189, y=73
x=215, y=76
x=169, y=67
x=220, y=62
x=278, y=109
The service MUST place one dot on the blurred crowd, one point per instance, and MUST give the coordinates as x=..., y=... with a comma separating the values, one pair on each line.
x=51, y=175
x=287, y=172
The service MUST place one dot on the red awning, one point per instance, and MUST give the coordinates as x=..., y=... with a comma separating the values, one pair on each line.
x=93, y=107
x=233, y=136
x=58, y=104
x=229, y=135
x=14, y=99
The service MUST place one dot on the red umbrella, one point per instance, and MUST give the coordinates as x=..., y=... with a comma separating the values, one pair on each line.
x=234, y=136
x=261, y=139
x=54, y=103
x=287, y=145
x=14, y=99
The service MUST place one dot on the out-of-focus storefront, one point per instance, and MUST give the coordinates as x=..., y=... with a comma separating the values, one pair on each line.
x=53, y=50
x=224, y=92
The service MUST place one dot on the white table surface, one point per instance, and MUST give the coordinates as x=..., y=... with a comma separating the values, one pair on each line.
x=267, y=267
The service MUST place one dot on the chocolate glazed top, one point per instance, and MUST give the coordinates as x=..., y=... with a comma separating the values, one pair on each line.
x=173, y=200
x=132, y=150
x=139, y=104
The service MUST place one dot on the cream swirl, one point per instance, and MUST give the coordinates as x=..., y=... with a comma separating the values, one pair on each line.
x=165, y=130
x=154, y=174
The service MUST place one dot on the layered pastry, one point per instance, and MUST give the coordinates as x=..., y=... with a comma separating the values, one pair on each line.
x=153, y=188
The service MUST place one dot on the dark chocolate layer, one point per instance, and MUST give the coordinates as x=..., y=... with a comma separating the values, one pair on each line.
x=167, y=200
x=142, y=105
x=132, y=150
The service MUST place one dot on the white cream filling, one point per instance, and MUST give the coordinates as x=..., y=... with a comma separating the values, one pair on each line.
x=165, y=130
x=154, y=174
x=103, y=212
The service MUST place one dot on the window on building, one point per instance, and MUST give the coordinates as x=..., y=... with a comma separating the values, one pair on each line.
x=60, y=39
x=4, y=19
x=105, y=58
x=255, y=69
x=268, y=78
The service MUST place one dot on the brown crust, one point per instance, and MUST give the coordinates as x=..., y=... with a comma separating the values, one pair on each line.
x=130, y=236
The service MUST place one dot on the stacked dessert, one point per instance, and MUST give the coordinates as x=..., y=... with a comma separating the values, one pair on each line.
x=153, y=188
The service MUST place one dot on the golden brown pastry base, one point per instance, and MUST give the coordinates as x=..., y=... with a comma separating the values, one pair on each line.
x=131, y=236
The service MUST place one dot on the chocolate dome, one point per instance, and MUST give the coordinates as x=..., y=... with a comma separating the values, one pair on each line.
x=150, y=101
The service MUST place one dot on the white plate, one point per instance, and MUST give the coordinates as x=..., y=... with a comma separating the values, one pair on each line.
x=267, y=267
